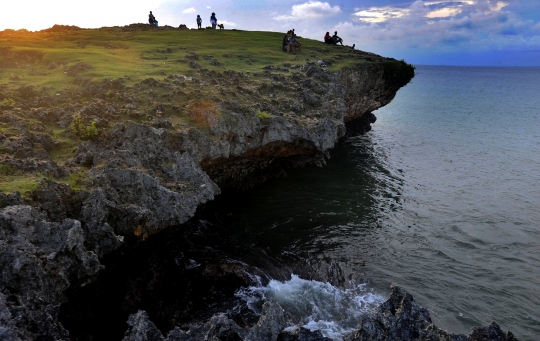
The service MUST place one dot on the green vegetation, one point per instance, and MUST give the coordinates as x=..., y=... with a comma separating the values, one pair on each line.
x=47, y=58
x=13, y=180
x=84, y=132
x=7, y=102
x=77, y=181
x=25, y=185
x=263, y=115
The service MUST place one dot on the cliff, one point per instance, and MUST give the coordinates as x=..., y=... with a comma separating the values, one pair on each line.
x=104, y=163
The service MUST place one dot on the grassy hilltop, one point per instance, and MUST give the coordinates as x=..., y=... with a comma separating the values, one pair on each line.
x=64, y=85
x=141, y=52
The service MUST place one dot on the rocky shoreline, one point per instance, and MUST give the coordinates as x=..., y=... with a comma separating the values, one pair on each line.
x=141, y=178
x=399, y=318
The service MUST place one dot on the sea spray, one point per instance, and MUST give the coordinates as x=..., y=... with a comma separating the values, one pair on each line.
x=315, y=305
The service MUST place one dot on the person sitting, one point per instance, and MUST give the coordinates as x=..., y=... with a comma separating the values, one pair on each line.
x=286, y=44
x=152, y=20
x=295, y=43
x=337, y=39
x=328, y=39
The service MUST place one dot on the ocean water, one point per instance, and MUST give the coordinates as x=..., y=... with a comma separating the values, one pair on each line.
x=442, y=197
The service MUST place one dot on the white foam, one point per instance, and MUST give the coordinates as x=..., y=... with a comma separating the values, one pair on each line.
x=319, y=306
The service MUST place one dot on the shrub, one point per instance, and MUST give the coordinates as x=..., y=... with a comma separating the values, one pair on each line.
x=7, y=102
x=84, y=132
x=9, y=170
x=263, y=115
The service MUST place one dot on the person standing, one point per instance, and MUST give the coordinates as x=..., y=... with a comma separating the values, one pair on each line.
x=213, y=20
x=199, y=21
x=151, y=19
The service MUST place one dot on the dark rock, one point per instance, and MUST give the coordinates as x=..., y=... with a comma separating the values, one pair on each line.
x=302, y=334
x=141, y=329
x=39, y=260
x=401, y=318
x=360, y=126
x=490, y=333
x=270, y=324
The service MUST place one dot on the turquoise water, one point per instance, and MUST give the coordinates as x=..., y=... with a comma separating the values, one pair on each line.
x=441, y=197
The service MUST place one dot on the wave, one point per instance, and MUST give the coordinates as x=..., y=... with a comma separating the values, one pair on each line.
x=315, y=305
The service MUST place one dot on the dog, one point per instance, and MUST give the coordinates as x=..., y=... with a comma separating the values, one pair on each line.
x=221, y=27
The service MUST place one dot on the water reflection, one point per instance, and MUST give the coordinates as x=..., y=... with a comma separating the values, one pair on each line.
x=318, y=216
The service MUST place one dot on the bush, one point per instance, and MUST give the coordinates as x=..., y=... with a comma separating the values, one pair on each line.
x=7, y=102
x=84, y=132
x=263, y=115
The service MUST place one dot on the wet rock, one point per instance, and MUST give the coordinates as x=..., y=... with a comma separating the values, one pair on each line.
x=301, y=334
x=491, y=332
x=270, y=324
x=401, y=318
x=141, y=328
x=219, y=327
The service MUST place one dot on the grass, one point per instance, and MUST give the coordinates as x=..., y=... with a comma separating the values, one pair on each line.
x=13, y=180
x=26, y=57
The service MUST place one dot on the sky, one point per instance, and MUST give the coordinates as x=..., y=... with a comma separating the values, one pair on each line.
x=431, y=32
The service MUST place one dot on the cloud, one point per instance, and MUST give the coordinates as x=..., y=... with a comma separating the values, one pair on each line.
x=311, y=10
x=380, y=14
x=189, y=10
x=422, y=28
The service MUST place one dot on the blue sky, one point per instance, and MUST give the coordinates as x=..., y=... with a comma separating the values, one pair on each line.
x=471, y=32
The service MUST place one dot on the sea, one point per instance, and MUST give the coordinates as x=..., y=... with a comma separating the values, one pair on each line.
x=442, y=198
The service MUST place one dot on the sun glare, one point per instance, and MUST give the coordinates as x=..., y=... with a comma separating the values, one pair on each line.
x=38, y=14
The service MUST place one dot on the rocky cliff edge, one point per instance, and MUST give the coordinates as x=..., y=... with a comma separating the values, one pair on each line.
x=139, y=178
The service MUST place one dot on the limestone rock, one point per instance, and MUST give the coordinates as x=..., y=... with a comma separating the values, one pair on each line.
x=38, y=261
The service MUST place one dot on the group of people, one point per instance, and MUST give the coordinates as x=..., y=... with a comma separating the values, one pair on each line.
x=290, y=43
x=332, y=40
x=213, y=20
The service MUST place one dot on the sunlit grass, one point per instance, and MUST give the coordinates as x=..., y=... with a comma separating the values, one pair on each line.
x=119, y=52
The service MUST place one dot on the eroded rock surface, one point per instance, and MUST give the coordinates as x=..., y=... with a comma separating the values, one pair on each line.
x=39, y=260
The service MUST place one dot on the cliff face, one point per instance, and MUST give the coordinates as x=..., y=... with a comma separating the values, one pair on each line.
x=143, y=178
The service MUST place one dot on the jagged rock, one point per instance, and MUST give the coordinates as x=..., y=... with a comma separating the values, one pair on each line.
x=302, y=334
x=140, y=328
x=38, y=261
x=492, y=333
x=220, y=327
x=401, y=318
x=270, y=324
